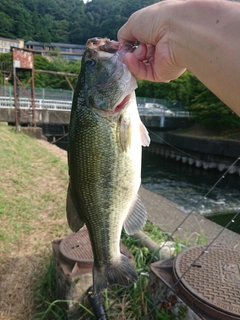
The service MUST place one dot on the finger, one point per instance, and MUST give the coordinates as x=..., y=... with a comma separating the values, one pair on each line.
x=141, y=69
x=124, y=35
x=150, y=51
x=140, y=52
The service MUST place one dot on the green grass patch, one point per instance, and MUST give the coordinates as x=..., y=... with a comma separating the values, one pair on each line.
x=119, y=302
x=33, y=187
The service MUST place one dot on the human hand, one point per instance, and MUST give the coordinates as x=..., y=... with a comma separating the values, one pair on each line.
x=155, y=58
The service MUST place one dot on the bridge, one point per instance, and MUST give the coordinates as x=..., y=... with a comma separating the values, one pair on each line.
x=53, y=117
x=51, y=108
x=52, y=111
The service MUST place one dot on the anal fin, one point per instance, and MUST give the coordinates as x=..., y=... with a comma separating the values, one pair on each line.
x=136, y=217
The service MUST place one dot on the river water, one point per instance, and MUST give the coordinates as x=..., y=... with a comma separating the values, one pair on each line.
x=187, y=186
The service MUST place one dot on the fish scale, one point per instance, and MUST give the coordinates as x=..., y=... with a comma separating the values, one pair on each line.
x=104, y=152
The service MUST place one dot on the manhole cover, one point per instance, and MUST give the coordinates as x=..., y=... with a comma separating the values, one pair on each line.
x=213, y=280
x=77, y=248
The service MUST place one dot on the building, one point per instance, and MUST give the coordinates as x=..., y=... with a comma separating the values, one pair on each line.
x=69, y=51
x=6, y=44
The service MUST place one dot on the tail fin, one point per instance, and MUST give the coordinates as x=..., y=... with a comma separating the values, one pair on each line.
x=121, y=273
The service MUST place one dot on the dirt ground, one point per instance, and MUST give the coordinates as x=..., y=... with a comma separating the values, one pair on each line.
x=60, y=153
x=19, y=266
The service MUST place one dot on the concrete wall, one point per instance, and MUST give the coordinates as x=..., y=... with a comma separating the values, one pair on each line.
x=208, y=153
x=63, y=117
x=166, y=122
x=42, y=116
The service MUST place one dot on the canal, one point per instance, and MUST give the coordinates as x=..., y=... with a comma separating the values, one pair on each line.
x=187, y=186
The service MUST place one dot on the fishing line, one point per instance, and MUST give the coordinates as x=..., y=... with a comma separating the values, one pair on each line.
x=188, y=154
x=199, y=256
x=207, y=247
x=65, y=135
x=171, y=235
x=182, y=222
x=62, y=122
x=197, y=205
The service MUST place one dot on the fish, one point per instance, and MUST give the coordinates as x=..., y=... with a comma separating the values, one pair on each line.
x=105, y=142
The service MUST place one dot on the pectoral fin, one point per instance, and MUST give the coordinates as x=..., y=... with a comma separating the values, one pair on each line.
x=145, y=139
x=74, y=221
x=136, y=218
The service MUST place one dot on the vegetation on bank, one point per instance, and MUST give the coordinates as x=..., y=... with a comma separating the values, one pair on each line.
x=119, y=302
x=32, y=211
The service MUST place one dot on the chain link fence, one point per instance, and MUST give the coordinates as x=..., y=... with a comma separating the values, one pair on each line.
x=40, y=93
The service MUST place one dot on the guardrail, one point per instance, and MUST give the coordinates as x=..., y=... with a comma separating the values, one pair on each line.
x=65, y=105
x=25, y=103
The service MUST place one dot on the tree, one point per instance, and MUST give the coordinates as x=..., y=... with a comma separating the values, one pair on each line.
x=6, y=26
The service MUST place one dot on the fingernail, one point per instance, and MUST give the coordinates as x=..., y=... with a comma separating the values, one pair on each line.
x=138, y=51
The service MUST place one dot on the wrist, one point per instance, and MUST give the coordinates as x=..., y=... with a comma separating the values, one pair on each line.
x=194, y=30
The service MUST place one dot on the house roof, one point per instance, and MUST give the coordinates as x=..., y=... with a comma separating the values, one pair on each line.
x=55, y=44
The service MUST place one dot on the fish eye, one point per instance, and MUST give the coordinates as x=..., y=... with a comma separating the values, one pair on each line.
x=90, y=62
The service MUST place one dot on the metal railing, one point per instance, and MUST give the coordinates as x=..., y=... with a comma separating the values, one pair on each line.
x=53, y=99
x=25, y=103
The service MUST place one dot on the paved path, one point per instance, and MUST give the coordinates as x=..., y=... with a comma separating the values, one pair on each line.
x=166, y=215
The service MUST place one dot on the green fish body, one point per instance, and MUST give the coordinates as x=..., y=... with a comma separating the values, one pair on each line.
x=104, y=155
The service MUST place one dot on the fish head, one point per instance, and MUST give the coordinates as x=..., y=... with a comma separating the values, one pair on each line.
x=108, y=84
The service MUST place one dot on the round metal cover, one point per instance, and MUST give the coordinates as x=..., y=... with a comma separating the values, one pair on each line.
x=214, y=279
x=77, y=248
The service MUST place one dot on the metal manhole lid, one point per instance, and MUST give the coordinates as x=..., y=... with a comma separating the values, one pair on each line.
x=77, y=248
x=215, y=277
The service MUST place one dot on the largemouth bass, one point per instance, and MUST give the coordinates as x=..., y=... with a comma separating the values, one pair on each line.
x=104, y=156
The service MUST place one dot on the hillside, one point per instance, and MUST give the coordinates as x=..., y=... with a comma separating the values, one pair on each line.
x=70, y=21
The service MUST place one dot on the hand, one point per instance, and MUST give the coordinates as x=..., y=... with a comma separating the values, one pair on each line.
x=154, y=59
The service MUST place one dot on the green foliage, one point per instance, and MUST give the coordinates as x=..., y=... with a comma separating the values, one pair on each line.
x=179, y=89
x=73, y=21
x=207, y=109
x=70, y=21
x=46, y=291
x=44, y=80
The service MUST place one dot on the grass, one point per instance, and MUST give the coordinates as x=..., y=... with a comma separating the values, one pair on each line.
x=32, y=211
x=29, y=193
x=121, y=303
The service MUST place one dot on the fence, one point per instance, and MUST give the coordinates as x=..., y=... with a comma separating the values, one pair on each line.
x=40, y=93
x=62, y=100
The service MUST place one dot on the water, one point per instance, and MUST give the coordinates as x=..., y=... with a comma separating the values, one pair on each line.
x=187, y=186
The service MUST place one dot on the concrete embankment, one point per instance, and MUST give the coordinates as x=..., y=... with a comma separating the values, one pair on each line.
x=166, y=215
x=208, y=153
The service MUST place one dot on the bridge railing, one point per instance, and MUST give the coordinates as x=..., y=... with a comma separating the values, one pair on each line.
x=56, y=99
x=25, y=103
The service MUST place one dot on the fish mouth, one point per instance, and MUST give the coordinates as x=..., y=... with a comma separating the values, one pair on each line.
x=110, y=46
x=122, y=104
